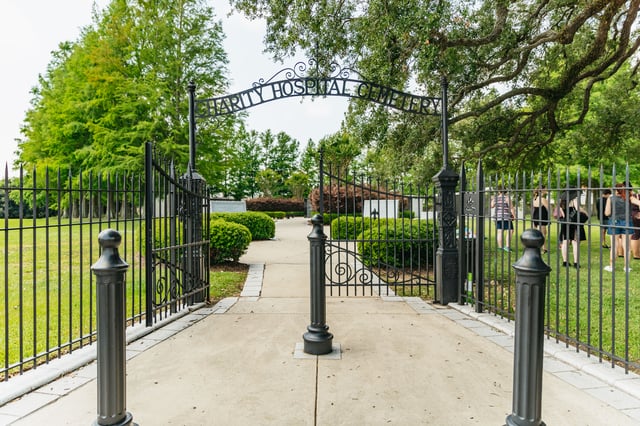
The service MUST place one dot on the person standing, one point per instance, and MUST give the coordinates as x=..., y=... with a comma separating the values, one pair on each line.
x=635, y=218
x=618, y=208
x=572, y=229
x=504, y=213
x=603, y=218
x=540, y=214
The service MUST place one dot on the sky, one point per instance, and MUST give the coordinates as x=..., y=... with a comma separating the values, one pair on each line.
x=31, y=29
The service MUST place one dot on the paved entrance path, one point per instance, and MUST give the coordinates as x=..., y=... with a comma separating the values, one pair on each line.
x=402, y=361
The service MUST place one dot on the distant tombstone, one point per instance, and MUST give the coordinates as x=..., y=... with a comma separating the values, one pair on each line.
x=228, y=206
x=380, y=209
x=307, y=207
x=420, y=209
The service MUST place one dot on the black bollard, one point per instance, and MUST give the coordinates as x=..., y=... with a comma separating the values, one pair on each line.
x=317, y=339
x=531, y=275
x=110, y=272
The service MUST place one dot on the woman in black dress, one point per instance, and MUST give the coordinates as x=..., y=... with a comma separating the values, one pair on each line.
x=572, y=229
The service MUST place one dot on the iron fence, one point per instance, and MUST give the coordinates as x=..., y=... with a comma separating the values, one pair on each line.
x=588, y=306
x=382, y=234
x=49, y=239
x=177, y=222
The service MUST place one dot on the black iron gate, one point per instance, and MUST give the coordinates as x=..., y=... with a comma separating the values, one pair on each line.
x=177, y=238
x=382, y=235
x=303, y=80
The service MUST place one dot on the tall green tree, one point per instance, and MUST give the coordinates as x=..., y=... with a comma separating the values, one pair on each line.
x=124, y=83
x=280, y=152
x=609, y=129
x=280, y=155
x=309, y=162
x=511, y=61
x=339, y=151
x=244, y=165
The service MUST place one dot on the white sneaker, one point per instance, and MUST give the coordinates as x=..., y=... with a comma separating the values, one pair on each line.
x=608, y=268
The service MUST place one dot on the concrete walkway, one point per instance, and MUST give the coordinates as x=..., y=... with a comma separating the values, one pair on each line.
x=398, y=361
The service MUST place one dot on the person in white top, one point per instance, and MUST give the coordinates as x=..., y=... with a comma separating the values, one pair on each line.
x=504, y=213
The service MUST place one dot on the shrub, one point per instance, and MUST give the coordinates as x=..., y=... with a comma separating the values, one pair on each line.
x=276, y=215
x=398, y=243
x=260, y=224
x=228, y=241
x=267, y=204
x=349, y=227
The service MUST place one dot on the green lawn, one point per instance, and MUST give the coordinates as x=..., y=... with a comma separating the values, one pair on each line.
x=47, y=289
x=587, y=305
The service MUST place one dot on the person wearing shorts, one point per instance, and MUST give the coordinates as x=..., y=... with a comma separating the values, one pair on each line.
x=504, y=214
x=618, y=208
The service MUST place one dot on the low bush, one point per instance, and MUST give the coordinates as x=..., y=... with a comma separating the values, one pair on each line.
x=228, y=241
x=267, y=204
x=276, y=215
x=398, y=243
x=260, y=224
x=349, y=227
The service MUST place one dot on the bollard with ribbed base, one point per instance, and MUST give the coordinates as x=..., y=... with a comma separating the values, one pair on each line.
x=317, y=339
x=531, y=275
x=110, y=271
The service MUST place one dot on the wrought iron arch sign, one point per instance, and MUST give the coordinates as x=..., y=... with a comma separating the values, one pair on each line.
x=296, y=82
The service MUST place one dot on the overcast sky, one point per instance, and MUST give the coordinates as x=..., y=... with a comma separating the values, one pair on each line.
x=31, y=29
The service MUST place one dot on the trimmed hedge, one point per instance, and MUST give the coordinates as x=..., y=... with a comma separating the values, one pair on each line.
x=267, y=204
x=398, y=242
x=228, y=241
x=260, y=224
x=349, y=227
x=276, y=215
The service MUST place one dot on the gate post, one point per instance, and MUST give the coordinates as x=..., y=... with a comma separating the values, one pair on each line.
x=110, y=272
x=531, y=276
x=149, y=208
x=194, y=261
x=447, y=254
x=195, y=183
x=317, y=339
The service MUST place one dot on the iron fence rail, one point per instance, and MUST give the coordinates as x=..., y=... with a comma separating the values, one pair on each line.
x=51, y=220
x=382, y=234
x=49, y=239
x=177, y=251
x=587, y=307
